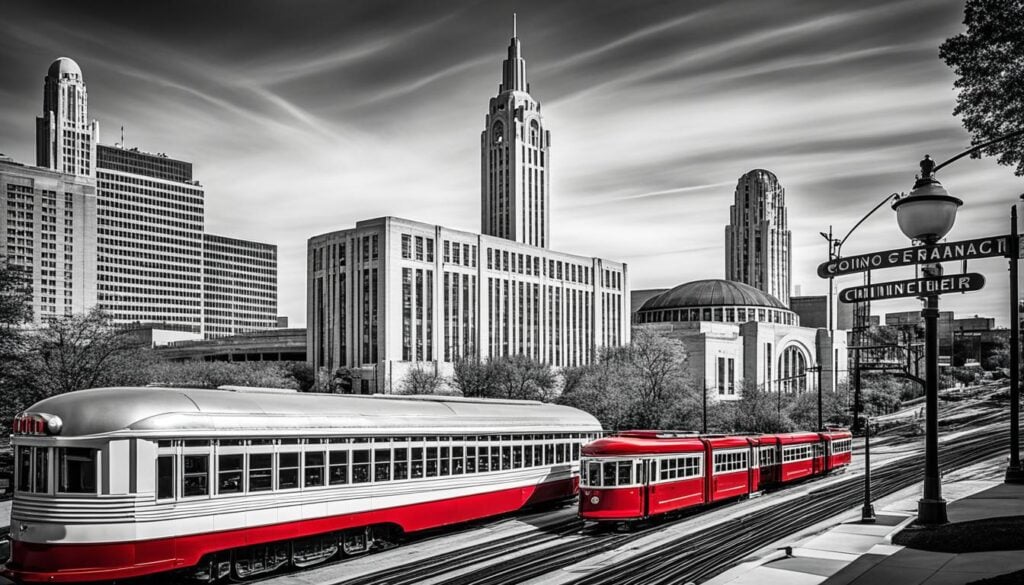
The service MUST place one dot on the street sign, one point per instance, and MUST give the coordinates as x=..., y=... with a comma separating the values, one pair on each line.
x=964, y=250
x=914, y=287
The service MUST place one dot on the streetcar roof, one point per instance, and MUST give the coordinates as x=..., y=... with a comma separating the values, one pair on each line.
x=173, y=412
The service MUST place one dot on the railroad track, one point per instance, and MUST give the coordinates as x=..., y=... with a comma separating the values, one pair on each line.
x=701, y=555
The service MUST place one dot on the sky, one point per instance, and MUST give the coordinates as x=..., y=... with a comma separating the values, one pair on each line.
x=304, y=117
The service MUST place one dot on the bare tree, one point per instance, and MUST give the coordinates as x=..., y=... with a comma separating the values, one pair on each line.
x=521, y=377
x=421, y=380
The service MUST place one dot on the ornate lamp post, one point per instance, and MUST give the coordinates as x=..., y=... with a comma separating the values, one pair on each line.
x=927, y=214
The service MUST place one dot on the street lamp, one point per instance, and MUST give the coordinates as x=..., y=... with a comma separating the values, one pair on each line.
x=927, y=214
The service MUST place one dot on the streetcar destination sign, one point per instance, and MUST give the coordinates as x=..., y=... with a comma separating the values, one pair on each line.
x=964, y=250
x=914, y=287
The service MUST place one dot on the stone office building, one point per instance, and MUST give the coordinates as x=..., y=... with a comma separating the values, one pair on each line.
x=392, y=294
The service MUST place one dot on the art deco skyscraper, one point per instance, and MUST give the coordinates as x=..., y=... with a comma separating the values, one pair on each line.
x=515, y=158
x=757, y=240
x=65, y=139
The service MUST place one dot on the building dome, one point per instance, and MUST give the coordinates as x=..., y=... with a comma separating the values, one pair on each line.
x=712, y=293
x=64, y=66
x=715, y=300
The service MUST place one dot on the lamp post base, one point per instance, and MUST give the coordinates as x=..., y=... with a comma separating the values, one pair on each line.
x=867, y=514
x=1014, y=474
x=931, y=512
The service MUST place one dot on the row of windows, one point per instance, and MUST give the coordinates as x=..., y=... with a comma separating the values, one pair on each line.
x=842, y=445
x=75, y=470
x=798, y=452
x=680, y=467
x=727, y=315
x=606, y=473
x=730, y=461
x=257, y=466
x=460, y=253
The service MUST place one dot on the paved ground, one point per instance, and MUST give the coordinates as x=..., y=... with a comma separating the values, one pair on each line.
x=852, y=553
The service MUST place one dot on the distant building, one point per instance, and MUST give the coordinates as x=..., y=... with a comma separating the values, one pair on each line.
x=258, y=346
x=813, y=312
x=150, y=239
x=913, y=319
x=239, y=286
x=65, y=138
x=48, y=224
x=734, y=333
x=392, y=294
x=124, y=229
x=757, y=239
x=515, y=158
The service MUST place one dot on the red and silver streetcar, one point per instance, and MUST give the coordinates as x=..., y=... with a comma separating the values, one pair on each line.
x=639, y=474
x=120, y=482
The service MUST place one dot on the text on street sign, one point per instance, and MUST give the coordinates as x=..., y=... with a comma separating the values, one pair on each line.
x=914, y=287
x=963, y=250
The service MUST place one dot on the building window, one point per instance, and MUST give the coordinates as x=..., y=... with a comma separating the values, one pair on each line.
x=406, y=246
x=721, y=376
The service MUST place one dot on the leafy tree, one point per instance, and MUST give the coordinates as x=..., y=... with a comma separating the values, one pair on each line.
x=421, y=380
x=601, y=389
x=659, y=366
x=761, y=411
x=988, y=60
x=213, y=374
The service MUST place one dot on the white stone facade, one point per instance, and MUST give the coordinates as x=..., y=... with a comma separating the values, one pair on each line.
x=392, y=294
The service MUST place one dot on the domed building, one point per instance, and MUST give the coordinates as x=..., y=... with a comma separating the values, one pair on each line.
x=734, y=332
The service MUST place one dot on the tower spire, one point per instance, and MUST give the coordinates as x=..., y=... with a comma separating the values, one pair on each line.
x=514, y=33
x=513, y=76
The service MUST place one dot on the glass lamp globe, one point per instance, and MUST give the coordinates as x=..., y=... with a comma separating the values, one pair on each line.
x=928, y=212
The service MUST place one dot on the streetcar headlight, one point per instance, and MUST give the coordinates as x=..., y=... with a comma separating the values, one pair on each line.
x=595, y=500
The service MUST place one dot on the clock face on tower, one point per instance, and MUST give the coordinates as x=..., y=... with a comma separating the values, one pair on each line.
x=499, y=132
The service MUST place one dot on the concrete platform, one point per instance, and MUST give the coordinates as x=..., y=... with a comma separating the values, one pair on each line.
x=852, y=553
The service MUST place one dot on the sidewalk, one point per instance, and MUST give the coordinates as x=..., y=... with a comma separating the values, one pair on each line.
x=852, y=553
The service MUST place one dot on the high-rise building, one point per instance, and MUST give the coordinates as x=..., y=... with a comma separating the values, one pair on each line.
x=150, y=239
x=391, y=295
x=757, y=239
x=515, y=158
x=239, y=286
x=48, y=230
x=65, y=139
x=123, y=229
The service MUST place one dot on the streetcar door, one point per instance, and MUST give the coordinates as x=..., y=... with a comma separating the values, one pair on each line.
x=642, y=469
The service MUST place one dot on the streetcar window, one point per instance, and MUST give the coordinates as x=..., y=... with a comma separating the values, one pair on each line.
x=517, y=457
x=287, y=471
x=549, y=454
x=575, y=451
x=417, y=462
x=361, y=466
x=483, y=459
x=625, y=472
x=164, y=476
x=261, y=473
x=289, y=441
x=381, y=464
x=314, y=474
x=560, y=452
x=594, y=473
x=230, y=442
x=495, y=458
x=196, y=478
x=527, y=455
x=445, y=461
x=456, y=460
x=538, y=456
x=24, y=469
x=401, y=470
x=608, y=479
x=163, y=443
x=197, y=443
x=470, y=459
x=229, y=474
x=431, y=461
x=339, y=467
x=506, y=457
x=42, y=470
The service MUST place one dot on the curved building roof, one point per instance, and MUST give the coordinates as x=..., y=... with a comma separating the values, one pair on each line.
x=186, y=412
x=64, y=65
x=712, y=293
